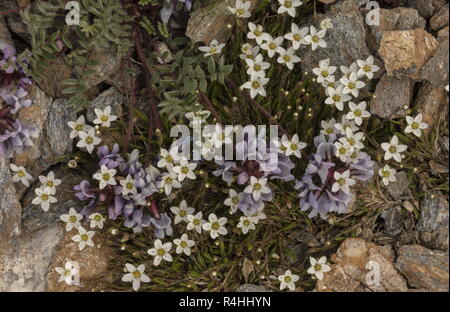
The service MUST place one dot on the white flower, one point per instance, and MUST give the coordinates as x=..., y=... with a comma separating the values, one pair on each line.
x=347, y=71
x=353, y=139
x=415, y=125
x=288, y=58
x=325, y=72
x=343, y=182
x=104, y=118
x=282, y=144
x=44, y=198
x=358, y=112
x=84, y=238
x=160, y=252
x=257, y=215
x=257, y=187
x=168, y=159
x=367, y=68
x=213, y=48
x=297, y=36
x=328, y=127
x=343, y=150
x=78, y=126
x=249, y=52
x=169, y=181
x=256, y=86
x=344, y=124
x=215, y=226
x=257, y=32
x=337, y=98
x=88, y=140
x=197, y=118
x=67, y=273
x=446, y=88
x=352, y=85
x=272, y=45
x=241, y=9
x=184, y=245
x=288, y=280
x=97, y=220
x=218, y=135
x=20, y=174
x=387, y=174
x=315, y=38
x=246, y=224
x=106, y=176
x=234, y=199
x=294, y=146
x=393, y=149
x=326, y=23
x=289, y=6
x=50, y=181
x=182, y=212
x=195, y=222
x=185, y=170
x=128, y=186
x=318, y=267
x=72, y=219
x=135, y=275
x=257, y=67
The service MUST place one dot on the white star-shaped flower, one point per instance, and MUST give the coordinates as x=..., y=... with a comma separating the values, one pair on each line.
x=44, y=197
x=50, y=181
x=246, y=224
x=168, y=159
x=233, y=200
x=72, y=219
x=88, y=140
x=169, y=181
x=256, y=86
x=297, y=36
x=294, y=146
x=352, y=85
x=20, y=174
x=387, y=174
x=288, y=58
x=325, y=72
x=160, y=252
x=128, y=186
x=241, y=9
x=288, y=280
x=415, y=125
x=67, y=273
x=357, y=112
x=195, y=222
x=272, y=45
x=184, y=244
x=257, y=33
x=106, y=176
x=135, y=275
x=318, y=267
x=78, y=126
x=97, y=220
x=343, y=182
x=367, y=68
x=288, y=6
x=393, y=149
x=104, y=117
x=257, y=187
x=213, y=48
x=328, y=127
x=215, y=226
x=185, y=170
x=182, y=212
x=84, y=238
x=256, y=67
x=315, y=38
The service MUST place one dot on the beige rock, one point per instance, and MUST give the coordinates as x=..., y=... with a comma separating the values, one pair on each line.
x=349, y=271
x=440, y=19
x=205, y=24
x=405, y=52
x=93, y=261
x=424, y=268
x=442, y=34
x=432, y=103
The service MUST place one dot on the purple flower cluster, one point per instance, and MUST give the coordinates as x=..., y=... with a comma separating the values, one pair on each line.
x=259, y=165
x=14, y=136
x=138, y=208
x=169, y=6
x=316, y=195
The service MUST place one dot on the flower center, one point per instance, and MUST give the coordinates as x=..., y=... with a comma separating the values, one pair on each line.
x=137, y=274
x=315, y=39
x=104, y=118
x=342, y=150
x=392, y=149
x=255, y=85
x=258, y=33
x=21, y=173
x=357, y=113
x=318, y=267
x=79, y=127
x=325, y=73
x=73, y=219
x=98, y=218
x=213, y=50
x=161, y=252
x=257, y=187
x=336, y=98
x=367, y=68
x=84, y=237
x=415, y=125
x=196, y=222
x=106, y=176
x=168, y=180
x=341, y=181
x=89, y=140
x=297, y=37
x=215, y=226
x=184, y=170
x=50, y=184
x=129, y=186
x=351, y=85
x=386, y=174
x=183, y=244
x=235, y=200
x=44, y=197
x=272, y=46
x=257, y=67
x=294, y=146
x=182, y=213
x=246, y=223
x=287, y=58
x=240, y=11
x=288, y=4
x=287, y=279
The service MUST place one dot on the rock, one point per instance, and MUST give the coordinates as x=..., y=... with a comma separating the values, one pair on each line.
x=51, y=118
x=433, y=222
x=205, y=25
x=400, y=186
x=14, y=20
x=404, y=52
x=94, y=264
x=4, y=32
x=25, y=266
x=391, y=96
x=349, y=273
x=394, y=19
x=111, y=97
x=432, y=103
x=252, y=288
x=108, y=66
x=438, y=4
x=424, y=268
x=440, y=19
x=346, y=41
x=442, y=35
x=425, y=8
x=394, y=218
x=436, y=69
x=10, y=209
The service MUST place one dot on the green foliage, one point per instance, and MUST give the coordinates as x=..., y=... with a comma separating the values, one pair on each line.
x=103, y=27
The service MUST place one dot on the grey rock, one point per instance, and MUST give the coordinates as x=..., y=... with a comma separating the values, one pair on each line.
x=111, y=97
x=443, y=34
x=424, y=268
x=399, y=187
x=436, y=69
x=252, y=288
x=4, y=32
x=440, y=19
x=425, y=8
x=433, y=222
x=391, y=95
x=14, y=20
x=296, y=253
x=432, y=103
x=346, y=41
x=394, y=218
x=438, y=4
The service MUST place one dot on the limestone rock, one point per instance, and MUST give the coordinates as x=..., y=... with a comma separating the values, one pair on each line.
x=205, y=25
x=405, y=52
x=391, y=95
x=436, y=69
x=424, y=268
x=349, y=273
x=440, y=19
x=432, y=103
x=433, y=222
